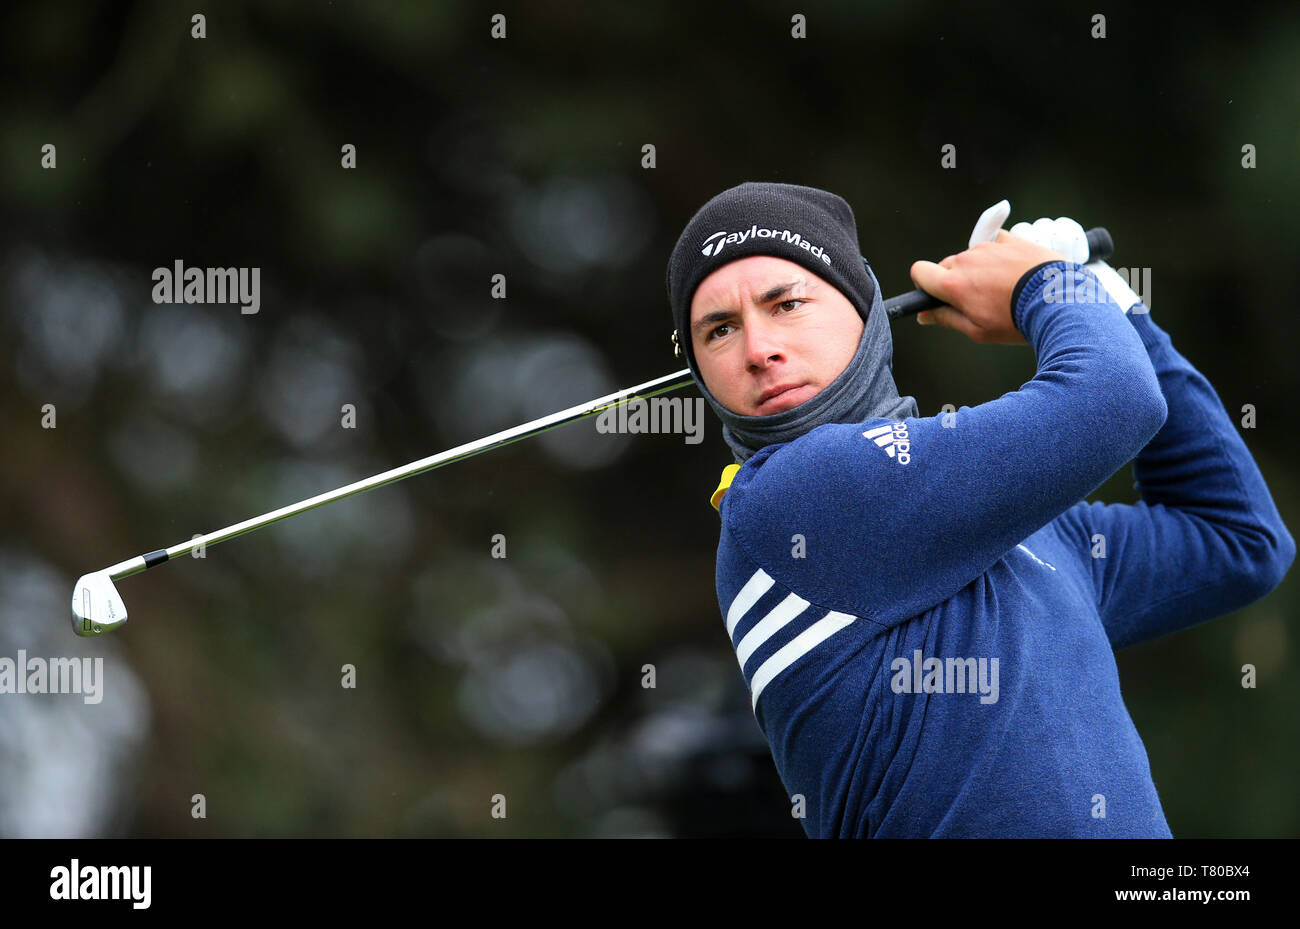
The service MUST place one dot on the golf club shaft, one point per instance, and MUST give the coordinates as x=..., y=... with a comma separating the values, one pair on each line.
x=517, y=433
x=1099, y=241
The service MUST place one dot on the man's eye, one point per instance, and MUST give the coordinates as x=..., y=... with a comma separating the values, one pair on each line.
x=788, y=302
x=717, y=330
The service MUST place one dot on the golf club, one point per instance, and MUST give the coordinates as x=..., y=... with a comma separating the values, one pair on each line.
x=97, y=607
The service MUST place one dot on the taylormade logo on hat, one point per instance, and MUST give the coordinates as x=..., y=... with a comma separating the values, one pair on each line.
x=715, y=243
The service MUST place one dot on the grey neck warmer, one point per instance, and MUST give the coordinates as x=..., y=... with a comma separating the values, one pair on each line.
x=864, y=390
x=815, y=229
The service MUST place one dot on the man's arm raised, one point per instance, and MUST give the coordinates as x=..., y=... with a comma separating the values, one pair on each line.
x=904, y=517
x=1206, y=538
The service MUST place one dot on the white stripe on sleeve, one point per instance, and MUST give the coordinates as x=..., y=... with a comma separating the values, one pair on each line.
x=748, y=596
x=796, y=648
x=785, y=611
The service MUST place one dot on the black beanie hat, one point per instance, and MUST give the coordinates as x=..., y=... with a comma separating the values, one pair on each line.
x=813, y=228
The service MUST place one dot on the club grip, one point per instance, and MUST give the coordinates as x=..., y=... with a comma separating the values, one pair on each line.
x=1100, y=248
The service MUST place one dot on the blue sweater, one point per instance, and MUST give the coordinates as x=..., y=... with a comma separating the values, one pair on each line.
x=926, y=611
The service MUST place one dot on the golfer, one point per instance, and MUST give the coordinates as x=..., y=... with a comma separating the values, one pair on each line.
x=924, y=610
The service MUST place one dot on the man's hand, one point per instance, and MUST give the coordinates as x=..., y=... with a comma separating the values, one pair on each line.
x=1067, y=237
x=976, y=287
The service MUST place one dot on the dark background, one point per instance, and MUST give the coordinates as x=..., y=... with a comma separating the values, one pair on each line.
x=522, y=156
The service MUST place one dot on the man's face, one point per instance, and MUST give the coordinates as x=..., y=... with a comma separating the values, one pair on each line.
x=769, y=334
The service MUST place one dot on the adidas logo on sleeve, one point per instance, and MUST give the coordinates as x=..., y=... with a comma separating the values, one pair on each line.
x=893, y=439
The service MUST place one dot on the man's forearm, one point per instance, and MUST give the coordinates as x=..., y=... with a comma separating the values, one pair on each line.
x=1199, y=463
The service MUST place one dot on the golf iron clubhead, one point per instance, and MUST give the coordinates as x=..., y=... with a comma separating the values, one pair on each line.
x=97, y=607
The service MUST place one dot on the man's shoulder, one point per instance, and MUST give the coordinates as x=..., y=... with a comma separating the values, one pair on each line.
x=873, y=442
x=829, y=472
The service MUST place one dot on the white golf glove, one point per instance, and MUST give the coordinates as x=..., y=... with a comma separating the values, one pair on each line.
x=1066, y=236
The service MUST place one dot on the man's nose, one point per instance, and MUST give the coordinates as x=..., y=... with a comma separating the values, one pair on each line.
x=762, y=344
